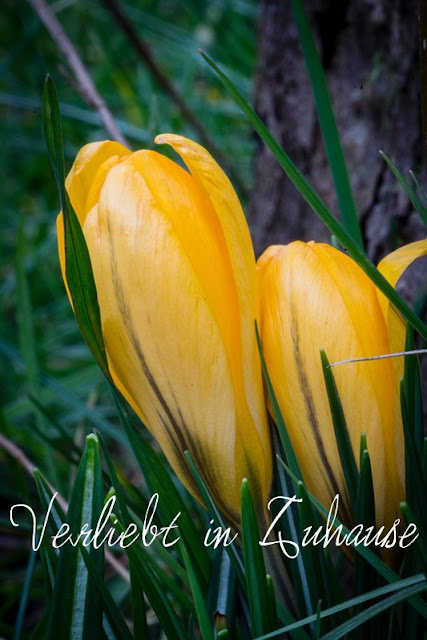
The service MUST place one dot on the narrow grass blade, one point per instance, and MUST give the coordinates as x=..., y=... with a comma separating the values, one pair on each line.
x=115, y=619
x=23, y=601
x=416, y=580
x=413, y=394
x=328, y=127
x=56, y=514
x=27, y=339
x=365, y=576
x=139, y=614
x=76, y=609
x=78, y=267
x=290, y=526
x=420, y=545
x=159, y=480
x=203, y=617
x=374, y=610
x=218, y=519
x=260, y=604
x=222, y=593
x=153, y=588
x=164, y=576
x=342, y=437
x=278, y=418
x=322, y=583
x=410, y=191
x=416, y=489
x=369, y=555
x=317, y=204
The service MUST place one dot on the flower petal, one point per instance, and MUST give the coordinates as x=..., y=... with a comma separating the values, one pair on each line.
x=314, y=297
x=83, y=184
x=209, y=175
x=159, y=314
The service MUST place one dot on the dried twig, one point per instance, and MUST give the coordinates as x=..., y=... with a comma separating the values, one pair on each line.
x=85, y=85
x=13, y=450
x=163, y=81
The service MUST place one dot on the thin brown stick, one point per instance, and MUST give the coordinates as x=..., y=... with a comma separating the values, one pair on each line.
x=13, y=450
x=144, y=53
x=85, y=84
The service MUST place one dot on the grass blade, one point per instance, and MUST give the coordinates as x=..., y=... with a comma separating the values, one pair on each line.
x=202, y=614
x=159, y=480
x=328, y=126
x=319, y=207
x=369, y=555
x=218, y=519
x=374, y=610
x=278, y=418
x=260, y=604
x=76, y=609
x=78, y=267
x=342, y=437
x=410, y=191
x=115, y=619
x=376, y=593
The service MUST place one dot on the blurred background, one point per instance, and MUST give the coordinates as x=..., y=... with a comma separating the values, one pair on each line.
x=51, y=391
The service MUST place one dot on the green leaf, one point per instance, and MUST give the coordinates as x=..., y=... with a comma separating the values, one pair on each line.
x=410, y=191
x=165, y=578
x=342, y=437
x=222, y=589
x=203, y=617
x=319, y=207
x=23, y=600
x=328, y=127
x=158, y=477
x=261, y=606
x=218, y=519
x=153, y=588
x=365, y=576
x=115, y=619
x=374, y=610
x=78, y=268
x=420, y=544
x=139, y=614
x=290, y=527
x=416, y=489
x=57, y=516
x=76, y=610
x=278, y=418
x=416, y=580
x=320, y=578
x=412, y=392
x=369, y=555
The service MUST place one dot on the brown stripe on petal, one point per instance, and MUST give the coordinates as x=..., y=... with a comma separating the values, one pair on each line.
x=179, y=435
x=311, y=414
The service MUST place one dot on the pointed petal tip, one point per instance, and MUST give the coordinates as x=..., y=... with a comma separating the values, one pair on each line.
x=169, y=138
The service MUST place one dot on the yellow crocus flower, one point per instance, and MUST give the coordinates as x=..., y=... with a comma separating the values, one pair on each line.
x=177, y=288
x=315, y=297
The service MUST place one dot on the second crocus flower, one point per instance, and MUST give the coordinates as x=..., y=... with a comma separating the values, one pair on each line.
x=315, y=297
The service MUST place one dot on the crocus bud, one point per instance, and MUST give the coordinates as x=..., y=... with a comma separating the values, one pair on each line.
x=178, y=294
x=315, y=297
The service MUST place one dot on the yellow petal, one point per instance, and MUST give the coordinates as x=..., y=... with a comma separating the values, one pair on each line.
x=314, y=297
x=392, y=268
x=83, y=184
x=155, y=246
x=210, y=177
x=88, y=173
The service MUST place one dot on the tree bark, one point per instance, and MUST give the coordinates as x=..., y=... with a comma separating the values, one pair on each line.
x=369, y=51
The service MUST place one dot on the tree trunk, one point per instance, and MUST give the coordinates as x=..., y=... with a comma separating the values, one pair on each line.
x=369, y=51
